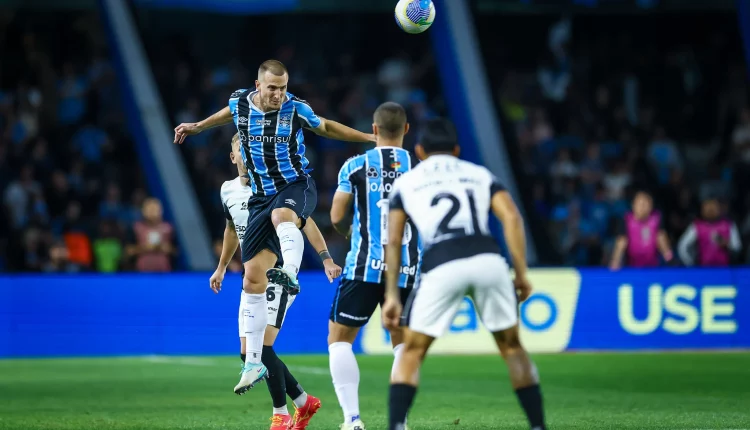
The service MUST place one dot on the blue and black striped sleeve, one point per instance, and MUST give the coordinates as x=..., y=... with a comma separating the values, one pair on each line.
x=305, y=112
x=345, y=180
x=234, y=99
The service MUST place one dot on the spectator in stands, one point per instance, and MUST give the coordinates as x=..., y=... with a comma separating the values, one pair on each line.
x=235, y=264
x=59, y=260
x=59, y=109
x=58, y=194
x=663, y=155
x=108, y=247
x=617, y=180
x=74, y=231
x=72, y=91
x=153, y=248
x=111, y=207
x=712, y=241
x=19, y=195
x=90, y=141
x=642, y=237
x=592, y=170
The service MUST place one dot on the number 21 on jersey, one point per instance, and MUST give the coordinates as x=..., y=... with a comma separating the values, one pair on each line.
x=461, y=224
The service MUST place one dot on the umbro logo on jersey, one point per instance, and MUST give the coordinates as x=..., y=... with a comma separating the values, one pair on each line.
x=290, y=202
x=242, y=120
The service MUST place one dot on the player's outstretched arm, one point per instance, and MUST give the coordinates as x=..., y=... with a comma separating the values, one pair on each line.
x=340, y=210
x=506, y=211
x=318, y=242
x=334, y=130
x=393, y=307
x=186, y=129
x=228, y=248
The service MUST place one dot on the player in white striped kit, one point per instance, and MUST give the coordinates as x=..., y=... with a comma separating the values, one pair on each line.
x=449, y=201
x=234, y=197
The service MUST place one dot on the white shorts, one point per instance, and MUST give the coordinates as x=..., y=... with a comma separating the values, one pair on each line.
x=279, y=302
x=485, y=278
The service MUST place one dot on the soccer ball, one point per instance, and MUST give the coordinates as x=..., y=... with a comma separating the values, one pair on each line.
x=415, y=16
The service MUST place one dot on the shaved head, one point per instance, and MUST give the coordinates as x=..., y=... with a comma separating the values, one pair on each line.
x=274, y=67
x=390, y=118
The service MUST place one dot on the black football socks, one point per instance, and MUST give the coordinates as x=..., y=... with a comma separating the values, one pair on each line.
x=531, y=402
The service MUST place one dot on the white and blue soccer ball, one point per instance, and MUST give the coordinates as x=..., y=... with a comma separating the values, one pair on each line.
x=415, y=16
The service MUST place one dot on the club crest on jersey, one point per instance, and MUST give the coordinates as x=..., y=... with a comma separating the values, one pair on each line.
x=285, y=120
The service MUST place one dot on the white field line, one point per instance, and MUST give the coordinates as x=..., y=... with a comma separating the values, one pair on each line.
x=197, y=361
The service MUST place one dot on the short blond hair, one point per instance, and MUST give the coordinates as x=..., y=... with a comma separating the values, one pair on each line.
x=275, y=67
x=235, y=140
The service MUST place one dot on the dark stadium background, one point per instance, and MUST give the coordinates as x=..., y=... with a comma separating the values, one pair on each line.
x=574, y=104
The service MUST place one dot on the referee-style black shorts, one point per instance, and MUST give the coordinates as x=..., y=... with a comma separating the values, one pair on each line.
x=355, y=301
x=301, y=196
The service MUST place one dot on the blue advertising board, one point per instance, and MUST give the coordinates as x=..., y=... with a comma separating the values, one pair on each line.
x=177, y=314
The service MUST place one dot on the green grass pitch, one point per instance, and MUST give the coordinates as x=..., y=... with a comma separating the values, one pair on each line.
x=582, y=391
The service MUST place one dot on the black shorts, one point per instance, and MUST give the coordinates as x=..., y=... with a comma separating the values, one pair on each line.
x=301, y=196
x=355, y=301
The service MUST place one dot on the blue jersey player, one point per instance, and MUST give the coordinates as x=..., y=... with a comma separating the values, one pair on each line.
x=270, y=121
x=365, y=182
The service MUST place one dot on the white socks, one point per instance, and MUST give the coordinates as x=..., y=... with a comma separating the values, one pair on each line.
x=254, y=317
x=300, y=401
x=292, y=246
x=397, y=352
x=345, y=373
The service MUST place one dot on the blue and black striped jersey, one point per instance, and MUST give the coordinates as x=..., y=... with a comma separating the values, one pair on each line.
x=272, y=143
x=370, y=178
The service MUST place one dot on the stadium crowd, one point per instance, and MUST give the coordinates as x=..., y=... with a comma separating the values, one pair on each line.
x=70, y=184
x=595, y=122
x=588, y=124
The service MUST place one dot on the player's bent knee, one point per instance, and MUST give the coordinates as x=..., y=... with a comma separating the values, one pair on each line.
x=397, y=336
x=255, y=280
x=416, y=344
x=414, y=353
x=508, y=340
x=341, y=333
x=254, y=286
x=284, y=215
